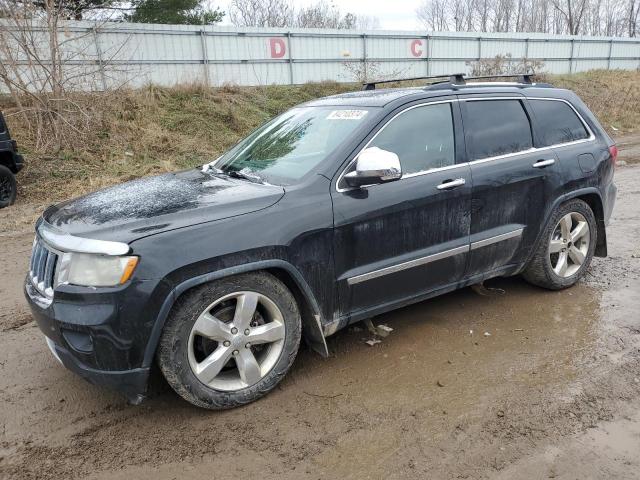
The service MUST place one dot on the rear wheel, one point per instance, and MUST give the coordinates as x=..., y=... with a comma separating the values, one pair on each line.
x=7, y=187
x=230, y=342
x=566, y=249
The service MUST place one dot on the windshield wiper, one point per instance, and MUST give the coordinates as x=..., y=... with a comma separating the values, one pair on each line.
x=244, y=175
x=209, y=168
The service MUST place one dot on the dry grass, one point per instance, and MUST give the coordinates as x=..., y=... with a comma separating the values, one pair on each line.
x=613, y=96
x=152, y=130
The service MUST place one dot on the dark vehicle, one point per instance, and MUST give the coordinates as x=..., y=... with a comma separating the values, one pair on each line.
x=11, y=162
x=335, y=211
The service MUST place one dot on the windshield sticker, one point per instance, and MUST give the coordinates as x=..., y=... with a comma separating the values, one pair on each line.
x=347, y=115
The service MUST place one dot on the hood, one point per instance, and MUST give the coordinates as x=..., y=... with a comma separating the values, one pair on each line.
x=152, y=205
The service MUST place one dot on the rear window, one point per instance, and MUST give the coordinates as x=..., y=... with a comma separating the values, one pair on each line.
x=497, y=127
x=558, y=122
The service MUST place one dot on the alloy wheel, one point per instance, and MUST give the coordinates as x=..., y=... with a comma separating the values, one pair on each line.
x=236, y=341
x=569, y=244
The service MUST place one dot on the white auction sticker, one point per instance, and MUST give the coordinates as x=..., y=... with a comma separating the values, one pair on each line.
x=347, y=115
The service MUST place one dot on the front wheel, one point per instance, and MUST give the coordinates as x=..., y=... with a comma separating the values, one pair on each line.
x=230, y=342
x=7, y=187
x=566, y=247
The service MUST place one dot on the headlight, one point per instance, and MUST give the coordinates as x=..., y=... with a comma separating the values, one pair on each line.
x=91, y=270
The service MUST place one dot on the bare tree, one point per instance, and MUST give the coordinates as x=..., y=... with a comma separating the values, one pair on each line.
x=367, y=22
x=42, y=62
x=261, y=13
x=323, y=15
x=573, y=12
x=632, y=15
x=574, y=17
x=281, y=13
x=433, y=14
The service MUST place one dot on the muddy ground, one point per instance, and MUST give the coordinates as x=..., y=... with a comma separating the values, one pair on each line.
x=553, y=390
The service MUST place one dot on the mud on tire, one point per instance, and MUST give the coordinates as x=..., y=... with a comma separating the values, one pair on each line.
x=173, y=357
x=539, y=271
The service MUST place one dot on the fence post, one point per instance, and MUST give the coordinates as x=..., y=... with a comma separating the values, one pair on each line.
x=365, y=69
x=290, y=58
x=571, y=56
x=610, y=52
x=100, y=62
x=205, y=57
x=428, y=49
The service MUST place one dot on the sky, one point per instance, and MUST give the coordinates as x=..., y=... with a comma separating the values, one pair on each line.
x=393, y=14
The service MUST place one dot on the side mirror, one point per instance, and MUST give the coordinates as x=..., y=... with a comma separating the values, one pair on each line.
x=374, y=166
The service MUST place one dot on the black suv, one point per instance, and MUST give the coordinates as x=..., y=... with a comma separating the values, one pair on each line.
x=335, y=211
x=11, y=162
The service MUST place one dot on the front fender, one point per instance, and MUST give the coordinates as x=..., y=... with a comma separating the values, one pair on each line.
x=312, y=327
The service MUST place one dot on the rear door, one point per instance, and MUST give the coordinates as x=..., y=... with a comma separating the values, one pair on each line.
x=560, y=127
x=398, y=240
x=513, y=181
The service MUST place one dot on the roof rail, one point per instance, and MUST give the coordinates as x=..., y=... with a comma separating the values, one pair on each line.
x=521, y=77
x=455, y=78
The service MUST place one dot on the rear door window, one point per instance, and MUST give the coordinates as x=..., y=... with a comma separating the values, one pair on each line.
x=496, y=127
x=558, y=122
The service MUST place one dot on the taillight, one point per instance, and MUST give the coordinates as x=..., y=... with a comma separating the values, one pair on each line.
x=613, y=151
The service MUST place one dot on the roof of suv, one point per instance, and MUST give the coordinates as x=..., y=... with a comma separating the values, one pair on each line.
x=382, y=97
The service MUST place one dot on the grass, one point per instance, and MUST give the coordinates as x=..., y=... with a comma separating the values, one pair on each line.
x=152, y=130
x=613, y=96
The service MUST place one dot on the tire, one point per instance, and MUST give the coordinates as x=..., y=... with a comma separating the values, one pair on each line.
x=185, y=354
x=546, y=268
x=8, y=187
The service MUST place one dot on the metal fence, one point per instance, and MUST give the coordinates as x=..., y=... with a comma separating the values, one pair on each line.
x=138, y=54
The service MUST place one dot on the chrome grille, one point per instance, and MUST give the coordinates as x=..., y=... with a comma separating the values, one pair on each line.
x=42, y=268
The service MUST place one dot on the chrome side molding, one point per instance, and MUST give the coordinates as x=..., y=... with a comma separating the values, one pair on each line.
x=496, y=239
x=65, y=242
x=432, y=258
x=405, y=265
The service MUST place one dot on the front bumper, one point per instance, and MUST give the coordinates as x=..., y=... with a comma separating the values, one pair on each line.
x=83, y=333
x=131, y=383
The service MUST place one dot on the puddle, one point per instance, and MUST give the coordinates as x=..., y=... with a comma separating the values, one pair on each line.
x=439, y=352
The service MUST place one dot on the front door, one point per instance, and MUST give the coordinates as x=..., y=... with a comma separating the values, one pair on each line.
x=398, y=240
x=512, y=181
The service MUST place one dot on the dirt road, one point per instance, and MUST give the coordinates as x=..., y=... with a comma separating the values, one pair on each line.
x=552, y=392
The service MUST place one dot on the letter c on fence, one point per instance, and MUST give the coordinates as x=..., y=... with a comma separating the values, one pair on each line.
x=277, y=47
x=415, y=51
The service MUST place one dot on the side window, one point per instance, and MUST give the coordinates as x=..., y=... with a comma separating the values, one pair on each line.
x=497, y=127
x=422, y=137
x=558, y=122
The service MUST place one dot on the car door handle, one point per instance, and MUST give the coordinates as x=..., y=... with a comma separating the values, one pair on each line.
x=543, y=163
x=450, y=184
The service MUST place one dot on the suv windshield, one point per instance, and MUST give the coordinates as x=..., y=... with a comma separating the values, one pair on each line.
x=291, y=145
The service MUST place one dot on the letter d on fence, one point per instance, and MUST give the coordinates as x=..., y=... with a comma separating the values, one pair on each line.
x=277, y=47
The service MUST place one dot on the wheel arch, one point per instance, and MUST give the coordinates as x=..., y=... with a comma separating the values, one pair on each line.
x=592, y=197
x=594, y=200
x=284, y=271
x=6, y=159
